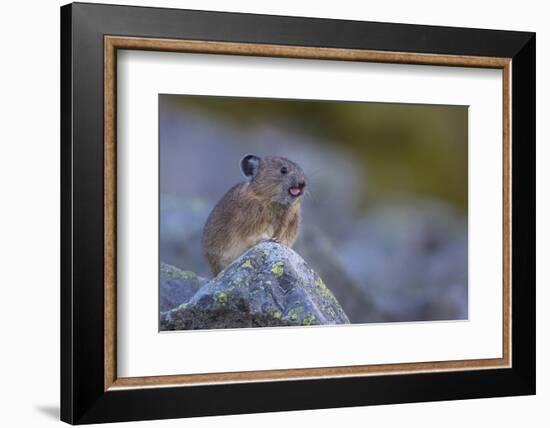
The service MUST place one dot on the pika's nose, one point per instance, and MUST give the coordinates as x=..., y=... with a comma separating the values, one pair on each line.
x=301, y=184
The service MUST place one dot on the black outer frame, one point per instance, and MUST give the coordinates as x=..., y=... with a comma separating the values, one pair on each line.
x=83, y=399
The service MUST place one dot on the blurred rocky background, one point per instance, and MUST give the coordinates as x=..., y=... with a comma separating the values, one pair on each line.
x=385, y=224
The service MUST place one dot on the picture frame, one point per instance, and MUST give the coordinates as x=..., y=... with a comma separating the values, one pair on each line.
x=91, y=390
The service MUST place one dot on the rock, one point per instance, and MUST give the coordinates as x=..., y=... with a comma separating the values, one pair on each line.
x=411, y=258
x=177, y=286
x=315, y=247
x=268, y=286
x=181, y=223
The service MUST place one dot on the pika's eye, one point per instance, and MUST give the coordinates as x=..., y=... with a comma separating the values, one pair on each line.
x=284, y=170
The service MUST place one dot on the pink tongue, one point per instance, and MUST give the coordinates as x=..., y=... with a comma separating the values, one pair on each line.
x=295, y=191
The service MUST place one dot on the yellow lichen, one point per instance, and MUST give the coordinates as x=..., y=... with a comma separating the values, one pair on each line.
x=320, y=283
x=310, y=319
x=278, y=268
x=246, y=264
x=221, y=297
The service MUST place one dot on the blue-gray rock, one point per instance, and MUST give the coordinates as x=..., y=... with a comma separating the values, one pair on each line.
x=270, y=285
x=181, y=224
x=177, y=286
x=327, y=261
x=411, y=259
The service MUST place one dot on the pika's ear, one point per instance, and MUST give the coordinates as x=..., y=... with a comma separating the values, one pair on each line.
x=250, y=165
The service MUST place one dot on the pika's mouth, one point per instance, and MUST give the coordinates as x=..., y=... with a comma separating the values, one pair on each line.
x=295, y=191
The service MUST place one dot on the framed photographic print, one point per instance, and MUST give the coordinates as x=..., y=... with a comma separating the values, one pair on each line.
x=264, y=213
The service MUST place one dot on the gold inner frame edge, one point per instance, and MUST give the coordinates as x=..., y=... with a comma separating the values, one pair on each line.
x=113, y=43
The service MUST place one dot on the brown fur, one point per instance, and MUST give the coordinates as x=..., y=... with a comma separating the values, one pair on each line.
x=254, y=211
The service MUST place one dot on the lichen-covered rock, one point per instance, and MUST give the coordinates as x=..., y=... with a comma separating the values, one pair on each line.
x=268, y=286
x=177, y=286
x=328, y=262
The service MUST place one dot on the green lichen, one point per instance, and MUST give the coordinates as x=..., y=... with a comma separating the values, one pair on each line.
x=246, y=264
x=175, y=273
x=187, y=274
x=182, y=306
x=221, y=297
x=268, y=283
x=278, y=268
x=237, y=281
x=277, y=315
x=320, y=283
x=324, y=290
x=295, y=312
x=310, y=319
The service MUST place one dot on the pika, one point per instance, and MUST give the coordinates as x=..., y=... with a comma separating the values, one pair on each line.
x=264, y=207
